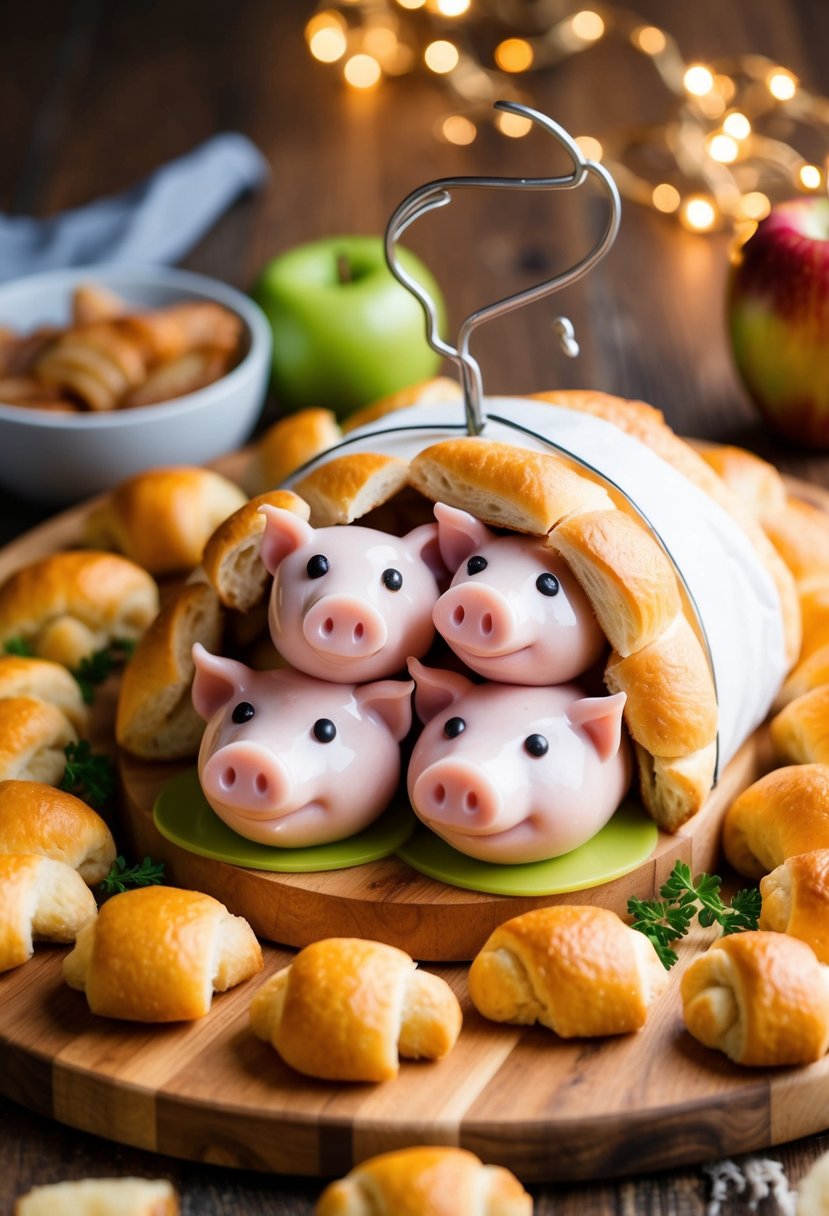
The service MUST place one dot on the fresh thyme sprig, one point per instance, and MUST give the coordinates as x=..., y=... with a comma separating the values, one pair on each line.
x=95, y=668
x=684, y=897
x=88, y=775
x=122, y=877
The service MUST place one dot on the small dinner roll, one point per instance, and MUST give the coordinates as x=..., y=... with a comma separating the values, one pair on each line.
x=796, y=900
x=425, y=1181
x=162, y=518
x=100, y=1197
x=347, y=487
x=809, y=674
x=783, y=814
x=289, y=444
x=762, y=998
x=231, y=558
x=155, y=718
x=36, y=818
x=800, y=732
x=45, y=681
x=579, y=971
x=426, y=392
x=39, y=899
x=68, y=605
x=157, y=954
x=33, y=735
x=346, y=1009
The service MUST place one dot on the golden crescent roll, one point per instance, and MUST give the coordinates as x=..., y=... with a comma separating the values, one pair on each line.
x=796, y=900
x=756, y=482
x=231, y=558
x=809, y=674
x=289, y=444
x=762, y=998
x=33, y=735
x=800, y=732
x=45, y=681
x=800, y=534
x=425, y=392
x=155, y=718
x=91, y=302
x=814, y=610
x=99, y=363
x=157, y=954
x=783, y=814
x=347, y=487
x=68, y=605
x=580, y=971
x=39, y=899
x=162, y=518
x=101, y=1197
x=36, y=818
x=346, y=1009
x=425, y=1181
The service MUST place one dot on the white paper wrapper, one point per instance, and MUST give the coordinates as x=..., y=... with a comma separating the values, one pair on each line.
x=736, y=599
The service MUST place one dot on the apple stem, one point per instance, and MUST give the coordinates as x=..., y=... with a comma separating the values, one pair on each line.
x=344, y=268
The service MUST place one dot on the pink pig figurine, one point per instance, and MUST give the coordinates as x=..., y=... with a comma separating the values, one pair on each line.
x=291, y=761
x=349, y=603
x=513, y=611
x=511, y=773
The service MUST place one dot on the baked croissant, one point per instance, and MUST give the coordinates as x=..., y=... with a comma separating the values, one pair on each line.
x=796, y=900
x=33, y=736
x=39, y=899
x=800, y=732
x=101, y=1197
x=98, y=363
x=580, y=971
x=36, y=818
x=44, y=681
x=762, y=998
x=287, y=444
x=345, y=1009
x=157, y=954
x=426, y=1182
x=783, y=814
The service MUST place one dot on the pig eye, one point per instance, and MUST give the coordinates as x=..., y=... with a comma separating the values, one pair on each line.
x=243, y=712
x=392, y=579
x=536, y=745
x=547, y=584
x=453, y=727
x=317, y=566
x=476, y=564
x=324, y=730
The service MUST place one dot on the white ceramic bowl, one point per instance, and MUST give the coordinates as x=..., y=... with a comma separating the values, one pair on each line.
x=60, y=458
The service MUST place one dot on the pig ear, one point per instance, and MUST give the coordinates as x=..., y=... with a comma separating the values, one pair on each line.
x=424, y=543
x=284, y=532
x=392, y=700
x=601, y=718
x=216, y=681
x=436, y=689
x=460, y=534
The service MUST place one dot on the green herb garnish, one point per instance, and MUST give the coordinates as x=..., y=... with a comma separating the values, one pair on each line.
x=18, y=646
x=97, y=667
x=88, y=775
x=684, y=897
x=121, y=877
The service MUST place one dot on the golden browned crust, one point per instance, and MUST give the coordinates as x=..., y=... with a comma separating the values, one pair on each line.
x=289, y=444
x=783, y=814
x=37, y=818
x=756, y=483
x=426, y=392
x=796, y=900
x=45, y=681
x=800, y=534
x=349, y=486
x=231, y=558
x=33, y=735
x=800, y=732
x=39, y=898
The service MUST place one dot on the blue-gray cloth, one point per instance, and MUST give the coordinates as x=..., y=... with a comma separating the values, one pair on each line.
x=157, y=221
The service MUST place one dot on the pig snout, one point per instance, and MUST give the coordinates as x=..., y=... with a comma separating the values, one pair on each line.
x=456, y=794
x=345, y=626
x=247, y=776
x=477, y=618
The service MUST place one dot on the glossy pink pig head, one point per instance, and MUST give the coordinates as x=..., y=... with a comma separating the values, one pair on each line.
x=291, y=761
x=349, y=603
x=513, y=611
x=513, y=773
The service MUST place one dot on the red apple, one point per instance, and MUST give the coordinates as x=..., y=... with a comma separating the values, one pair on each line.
x=778, y=316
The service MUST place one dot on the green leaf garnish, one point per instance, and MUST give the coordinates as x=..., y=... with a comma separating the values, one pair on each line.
x=18, y=646
x=88, y=775
x=94, y=668
x=122, y=877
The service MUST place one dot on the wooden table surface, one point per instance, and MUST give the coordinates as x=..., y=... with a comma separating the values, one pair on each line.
x=94, y=95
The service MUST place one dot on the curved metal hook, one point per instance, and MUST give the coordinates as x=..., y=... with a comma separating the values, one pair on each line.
x=438, y=194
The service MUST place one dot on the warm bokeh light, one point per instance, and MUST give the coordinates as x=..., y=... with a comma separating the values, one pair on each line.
x=587, y=25
x=698, y=80
x=514, y=125
x=665, y=197
x=362, y=71
x=711, y=105
x=459, y=130
x=441, y=56
x=736, y=125
x=810, y=177
x=326, y=20
x=698, y=213
x=451, y=8
x=650, y=39
x=782, y=84
x=327, y=45
x=590, y=147
x=755, y=206
x=723, y=149
x=725, y=87
x=514, y=55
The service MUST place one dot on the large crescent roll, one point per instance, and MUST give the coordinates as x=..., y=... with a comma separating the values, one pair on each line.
x=346, y=1009
x=762, y=998
x=783, y=814
x=426, y=1182
x=39, y=899
x=580, y=971
x=37, y=818
x=796, y=900
x=158, y=954
x=33, y=736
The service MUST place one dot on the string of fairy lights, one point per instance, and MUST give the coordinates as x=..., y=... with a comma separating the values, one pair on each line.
x=722, y=154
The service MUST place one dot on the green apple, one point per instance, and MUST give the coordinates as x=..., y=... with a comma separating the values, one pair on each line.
x=345, y=332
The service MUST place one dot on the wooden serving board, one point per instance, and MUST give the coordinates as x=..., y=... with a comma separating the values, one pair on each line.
x=547, y=1108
